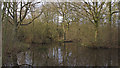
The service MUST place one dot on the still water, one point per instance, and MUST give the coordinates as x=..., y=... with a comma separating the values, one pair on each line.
x=64, y=54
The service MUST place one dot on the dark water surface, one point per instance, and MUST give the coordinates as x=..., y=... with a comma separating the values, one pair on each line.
x=64, y=54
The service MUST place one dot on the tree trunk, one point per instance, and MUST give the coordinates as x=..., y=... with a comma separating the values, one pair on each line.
x=0, y=36
x=119, y=33
x=96, y=34
x=15, y=22
x=96, y=31
x=119, y=24
x=110, y=27
x=64, y=30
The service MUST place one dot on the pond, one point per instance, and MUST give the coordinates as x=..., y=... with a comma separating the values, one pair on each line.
x=63, y=54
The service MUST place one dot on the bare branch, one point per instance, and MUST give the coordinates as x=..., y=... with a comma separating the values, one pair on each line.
x=10, y=13
x=21, y=11
x=56, y=8
x=115, y=12
x=22, y=18
x=10, y=22
x=26, y=4
x=32, y=19
x=35, y=3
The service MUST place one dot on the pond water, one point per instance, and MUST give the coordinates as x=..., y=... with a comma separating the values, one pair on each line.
x=63, y=54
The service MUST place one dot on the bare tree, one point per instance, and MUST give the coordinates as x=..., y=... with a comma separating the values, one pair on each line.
x=16, y=12
x=93, y=11
x=64, y=10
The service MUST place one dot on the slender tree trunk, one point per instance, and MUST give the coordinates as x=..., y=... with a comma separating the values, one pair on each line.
x=15, y=22
x=96, y=20
x=96, y=33
x=110, y=27
x=64, y=37
x=119, y=24
x=0, y=36
x=110, y=32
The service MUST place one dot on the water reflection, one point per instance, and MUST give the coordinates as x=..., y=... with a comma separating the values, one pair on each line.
x=69, y=54
x=24, y=58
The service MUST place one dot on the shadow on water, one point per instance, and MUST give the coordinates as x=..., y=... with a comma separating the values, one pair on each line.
x=64, y=54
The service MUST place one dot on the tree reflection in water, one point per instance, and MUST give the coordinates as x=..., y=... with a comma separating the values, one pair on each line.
x=69, y=54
